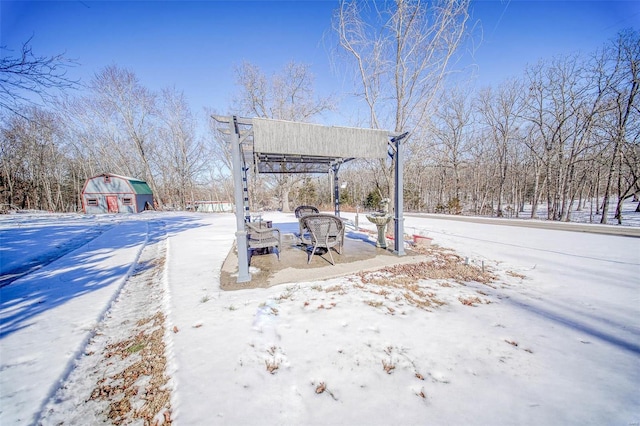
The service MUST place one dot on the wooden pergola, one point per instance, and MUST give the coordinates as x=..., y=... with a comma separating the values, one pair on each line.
x=276, y=146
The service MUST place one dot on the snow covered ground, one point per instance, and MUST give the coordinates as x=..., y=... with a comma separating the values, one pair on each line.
x=587, y=214
x=553, y=339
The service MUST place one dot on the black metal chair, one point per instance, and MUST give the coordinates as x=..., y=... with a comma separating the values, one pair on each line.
x=322, y=231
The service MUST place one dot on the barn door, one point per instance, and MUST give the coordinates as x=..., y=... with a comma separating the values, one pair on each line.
x=112, y=203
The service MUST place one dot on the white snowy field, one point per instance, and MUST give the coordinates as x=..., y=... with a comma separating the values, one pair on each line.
x=554, y=339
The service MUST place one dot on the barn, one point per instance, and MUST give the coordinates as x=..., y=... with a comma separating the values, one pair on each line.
x=109, y=193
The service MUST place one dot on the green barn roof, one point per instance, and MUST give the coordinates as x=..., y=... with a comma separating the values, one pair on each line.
x=140, y=187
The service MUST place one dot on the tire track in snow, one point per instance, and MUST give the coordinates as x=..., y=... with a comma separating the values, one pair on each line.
x=92, y=391
x=33, y=265
x=59, y=315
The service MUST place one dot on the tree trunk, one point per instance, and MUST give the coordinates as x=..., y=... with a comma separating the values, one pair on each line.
x=607, y=189
x=536, y=186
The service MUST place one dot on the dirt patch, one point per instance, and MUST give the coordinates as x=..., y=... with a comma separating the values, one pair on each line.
x=142, y=379
x=292, y=265
x=443, y=265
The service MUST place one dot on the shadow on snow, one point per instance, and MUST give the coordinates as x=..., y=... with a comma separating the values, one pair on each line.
x=562, y=316
x=64, y=272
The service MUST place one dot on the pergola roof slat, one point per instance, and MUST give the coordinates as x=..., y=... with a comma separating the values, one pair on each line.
x=313, y=140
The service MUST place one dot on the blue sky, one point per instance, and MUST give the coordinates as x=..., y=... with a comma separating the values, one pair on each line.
x=195, y=45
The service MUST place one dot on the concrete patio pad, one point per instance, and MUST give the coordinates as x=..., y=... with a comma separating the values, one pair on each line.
x=359, y=254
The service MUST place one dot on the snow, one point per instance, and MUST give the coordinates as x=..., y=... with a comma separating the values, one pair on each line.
x=554, y=340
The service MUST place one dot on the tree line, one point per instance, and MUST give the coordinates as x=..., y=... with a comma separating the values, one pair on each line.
x=564, y=134
x=118, y=126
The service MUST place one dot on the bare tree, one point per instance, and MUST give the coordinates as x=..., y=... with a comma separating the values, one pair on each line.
x=402, y=56
x=114, y=127
x=563, y=102
x=452, y=129
x=500, y=112
x=400, y=52
x=622, y=63
x=288, y=95
x=27, y=75
x=180, y=157
x=34, y=172
x=128, y=111
x=482, y=172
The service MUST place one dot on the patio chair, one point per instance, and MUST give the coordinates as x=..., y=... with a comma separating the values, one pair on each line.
x=305, y=210
x=324, y=231
x=302, y=211
x=259, y=236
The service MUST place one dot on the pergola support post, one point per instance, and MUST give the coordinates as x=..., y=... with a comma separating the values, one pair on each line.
x=336, y=190
x=238, y=195
x=398, y=158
